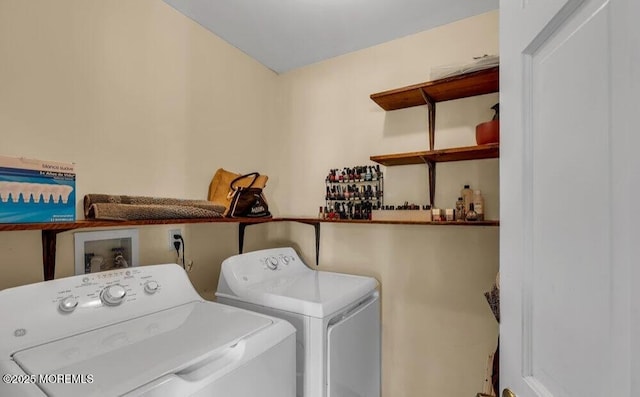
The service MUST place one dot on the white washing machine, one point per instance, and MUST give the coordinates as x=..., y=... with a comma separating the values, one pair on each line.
x=142, y=331
x=337, y=318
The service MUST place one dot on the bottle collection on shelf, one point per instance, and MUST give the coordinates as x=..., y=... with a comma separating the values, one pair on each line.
x=353, y=192
x=349, y=210
x=468, y=208
x=365, y=173
x=347, y=197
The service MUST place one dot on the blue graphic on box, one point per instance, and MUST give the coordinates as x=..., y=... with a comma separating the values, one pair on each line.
x=36, y=196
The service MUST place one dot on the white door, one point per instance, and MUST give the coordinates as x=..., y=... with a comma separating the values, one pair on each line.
x=570, y=198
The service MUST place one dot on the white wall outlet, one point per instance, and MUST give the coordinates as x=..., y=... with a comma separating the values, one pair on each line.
x=173, y=232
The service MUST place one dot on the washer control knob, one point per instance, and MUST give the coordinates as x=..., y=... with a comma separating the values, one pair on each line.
x=151, y=287
x=113, y=295
x=68, y=304
x=285, y=259
x=272, y=263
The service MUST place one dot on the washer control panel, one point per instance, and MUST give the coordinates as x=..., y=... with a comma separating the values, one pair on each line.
x=67, y=306
x=243, y=270
x=277, y=262
x=112, y=288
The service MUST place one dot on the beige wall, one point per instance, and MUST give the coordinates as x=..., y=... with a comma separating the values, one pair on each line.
x=145, y=101
x=437, y=327
x=142, y=99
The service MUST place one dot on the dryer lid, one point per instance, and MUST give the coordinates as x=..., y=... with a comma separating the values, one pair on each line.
x=311, y=293
x=122, y=357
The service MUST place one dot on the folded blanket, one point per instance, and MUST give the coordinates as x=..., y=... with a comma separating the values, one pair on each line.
x=111, y=207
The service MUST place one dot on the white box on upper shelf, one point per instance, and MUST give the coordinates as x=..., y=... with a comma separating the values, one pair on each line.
x=36, y=191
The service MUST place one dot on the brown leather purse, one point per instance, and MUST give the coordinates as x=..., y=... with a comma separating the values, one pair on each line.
x=221, y=192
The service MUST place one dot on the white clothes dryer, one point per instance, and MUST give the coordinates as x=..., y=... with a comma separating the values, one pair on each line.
x=336, y=316
x=141, y=331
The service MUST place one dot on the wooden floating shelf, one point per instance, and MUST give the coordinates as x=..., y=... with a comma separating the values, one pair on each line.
x=65, y=226
x=389, y=222
x=49, y=231
x=465, y=85
x=440, y=156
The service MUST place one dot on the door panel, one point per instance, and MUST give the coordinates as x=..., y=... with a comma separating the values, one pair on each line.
x=629, y=46
x=564, y=312
x=568, y=169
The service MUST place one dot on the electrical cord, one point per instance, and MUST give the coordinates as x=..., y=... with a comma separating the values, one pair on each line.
x=183, y=252
x=177, y=245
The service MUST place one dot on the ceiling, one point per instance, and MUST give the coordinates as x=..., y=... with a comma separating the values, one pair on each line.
x=288, y=34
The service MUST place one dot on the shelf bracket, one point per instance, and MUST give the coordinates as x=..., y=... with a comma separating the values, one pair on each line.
x=431, y=165
x=241, y=227
x=431, y=109
x=315, y=224
x=432, y=182
x=316, y=227
x=49, y=239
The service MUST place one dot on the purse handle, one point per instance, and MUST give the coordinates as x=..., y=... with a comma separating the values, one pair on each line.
x=255, y=178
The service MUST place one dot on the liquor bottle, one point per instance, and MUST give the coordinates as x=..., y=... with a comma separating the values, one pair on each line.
x=460, y=212
x=472, y=215
x=467, y=196
x=478, y=204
